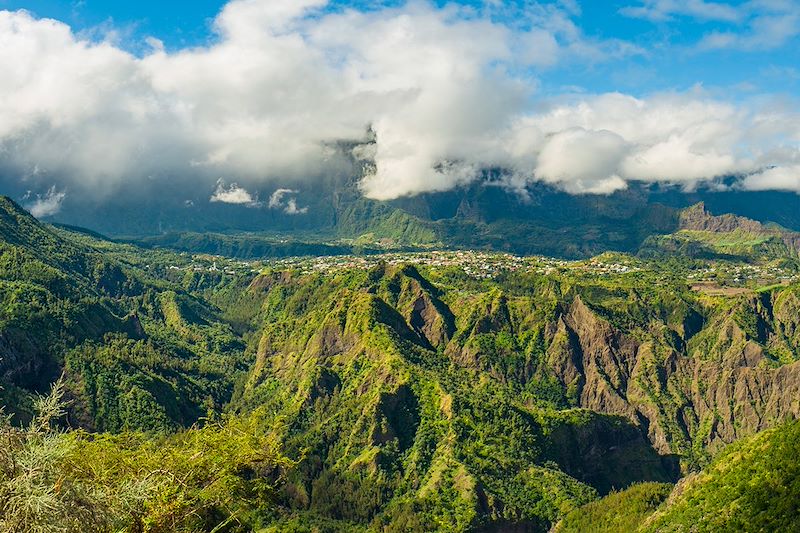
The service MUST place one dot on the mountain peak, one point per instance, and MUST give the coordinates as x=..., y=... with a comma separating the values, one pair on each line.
x=698, y=218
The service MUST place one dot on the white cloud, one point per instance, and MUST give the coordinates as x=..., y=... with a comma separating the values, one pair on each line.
x=664, y=10
x=233, y=194
x=753, y=25
x=47, y=204
x=597, y=143
x=780, y=178
x=583, y=161
x=292, y=209
x=764, y=32
x=276, y=198
x=284, y=199
x=284, y=79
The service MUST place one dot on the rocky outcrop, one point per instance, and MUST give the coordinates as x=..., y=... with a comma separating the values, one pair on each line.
x=726, y=384
x=429, y=321
x=698, y=218
x=608, y=359
x=418, y=302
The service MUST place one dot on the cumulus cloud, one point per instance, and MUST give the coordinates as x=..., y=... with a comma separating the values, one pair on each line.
x=284, y=199
x=47, y=204
x=675, y=138
x=292, y=209
x=276, y=198
x=233, y=194
x=447, y=92
x=583, y=161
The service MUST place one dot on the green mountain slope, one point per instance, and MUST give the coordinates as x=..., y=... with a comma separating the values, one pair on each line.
x=137, y=351
x=470, y=392
x=704, y=235
x=617, y=512
x=357, y=362
x=753, y=485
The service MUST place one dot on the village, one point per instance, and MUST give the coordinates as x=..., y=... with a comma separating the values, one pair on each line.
x=489, y=265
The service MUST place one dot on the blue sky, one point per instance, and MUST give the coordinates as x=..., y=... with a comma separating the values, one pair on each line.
x=669, y=38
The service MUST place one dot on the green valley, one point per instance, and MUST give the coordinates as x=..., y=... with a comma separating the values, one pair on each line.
x=400, y=266
x=149, y=389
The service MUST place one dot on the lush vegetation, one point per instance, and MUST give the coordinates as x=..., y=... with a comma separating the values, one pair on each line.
x=619, y=511
x=222, y=476
x=753, y=485
x=382, y=397
x=250, y=246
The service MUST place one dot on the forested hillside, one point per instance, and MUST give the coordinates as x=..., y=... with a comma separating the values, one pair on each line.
x=751, y=486
x=447, y=392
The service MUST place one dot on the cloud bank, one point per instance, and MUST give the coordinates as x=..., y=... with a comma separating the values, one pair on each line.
x=447, y=92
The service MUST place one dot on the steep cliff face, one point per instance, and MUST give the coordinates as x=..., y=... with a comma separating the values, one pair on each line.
x=693, y=374
x=417, y=300
x=726, y=382
x=607, y=359
x=698, y=218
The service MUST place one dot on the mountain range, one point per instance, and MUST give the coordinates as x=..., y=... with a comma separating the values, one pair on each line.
x=534, y=219
x=457, y=393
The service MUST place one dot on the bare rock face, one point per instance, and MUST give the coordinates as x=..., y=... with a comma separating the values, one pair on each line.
x=565, y=355
x=724, y=387
x=264, y=282
x=698, y=218
x=608, y=360
x=429, y=317
x=418, y=302
x=689, y=387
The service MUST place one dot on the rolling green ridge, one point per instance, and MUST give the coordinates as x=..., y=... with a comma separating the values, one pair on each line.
x=69, y=306
x=465, y=392
x=250, y=246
